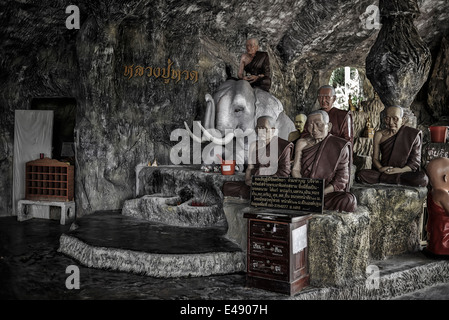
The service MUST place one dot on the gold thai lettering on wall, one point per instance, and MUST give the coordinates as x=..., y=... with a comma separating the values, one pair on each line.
x=167, y=74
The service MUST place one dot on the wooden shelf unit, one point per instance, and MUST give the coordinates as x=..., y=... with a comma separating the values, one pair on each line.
x=49, y=179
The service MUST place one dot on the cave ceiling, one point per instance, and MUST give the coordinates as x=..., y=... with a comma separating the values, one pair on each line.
x=323, y=33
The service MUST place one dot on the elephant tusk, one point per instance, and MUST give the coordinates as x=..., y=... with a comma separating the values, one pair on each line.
x=246, y=133
x=221, y=141
x=194, y=137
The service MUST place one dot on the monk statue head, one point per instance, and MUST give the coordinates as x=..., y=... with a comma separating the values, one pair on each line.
x=318, y=125
x=394, y=118
x=326, y=97
x=265, y=128
x=438, y=172
x=300, y=122
x=252, y=46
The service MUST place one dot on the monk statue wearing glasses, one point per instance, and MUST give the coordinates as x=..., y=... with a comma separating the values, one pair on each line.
x=322, y=155
x=396, y=154
x=341, y=119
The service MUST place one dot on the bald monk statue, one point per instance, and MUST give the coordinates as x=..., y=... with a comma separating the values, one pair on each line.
x=342, y=125
x=325, y=156
x=261, y=161
x=396, y=154
x=256, y=65
x=300, y=122
x=438, y=207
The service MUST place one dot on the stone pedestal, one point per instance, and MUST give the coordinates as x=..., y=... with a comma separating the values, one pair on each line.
x=173, y=211
x=338, y=247
x=394, y=213
x=234, y=209
x=186, y=181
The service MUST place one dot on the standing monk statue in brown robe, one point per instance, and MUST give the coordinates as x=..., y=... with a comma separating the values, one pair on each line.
x=322, y=155
x=255, y=66
x=396, y=154
x=269, y=155
x=438, y=207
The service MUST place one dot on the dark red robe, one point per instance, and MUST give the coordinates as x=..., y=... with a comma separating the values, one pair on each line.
x=330, y=160
x=283, y=164
x=260, y=65
x=402, y=149
x=437, y=228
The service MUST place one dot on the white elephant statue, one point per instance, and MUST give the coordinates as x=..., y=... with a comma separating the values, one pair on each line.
x=231, y=114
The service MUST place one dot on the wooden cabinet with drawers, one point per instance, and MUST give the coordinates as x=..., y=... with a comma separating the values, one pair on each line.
x=277, y=251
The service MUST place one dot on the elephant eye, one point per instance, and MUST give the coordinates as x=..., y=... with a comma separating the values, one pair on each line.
x=238, y=109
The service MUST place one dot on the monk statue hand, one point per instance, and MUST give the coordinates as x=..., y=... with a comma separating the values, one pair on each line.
x=251, y=78
x=386, y=170
x=393, y=170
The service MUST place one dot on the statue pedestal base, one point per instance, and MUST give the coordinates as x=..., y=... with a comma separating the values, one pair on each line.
x=394, y=213
x=338, y=247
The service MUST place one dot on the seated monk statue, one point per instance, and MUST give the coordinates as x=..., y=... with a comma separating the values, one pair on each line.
x=269, y=155
x=300, y=122
x=256, y=65
x=396, y=154
x=438, y=207
x=321, y=155
x=342, y=125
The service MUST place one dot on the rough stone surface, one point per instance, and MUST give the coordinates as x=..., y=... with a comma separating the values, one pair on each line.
x=151, y=264
x=171, y=211
x=184, y=181
x=434, y=150
x=112, y=241
x=338, y=247
x=438, y=92
x=237, y=225
x=394, y=213
x=399, y=61
x=121, y=121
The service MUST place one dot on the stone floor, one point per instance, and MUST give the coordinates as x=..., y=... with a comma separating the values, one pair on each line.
x=31, y=268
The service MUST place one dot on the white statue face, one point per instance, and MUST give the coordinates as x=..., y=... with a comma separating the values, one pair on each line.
x=316, y=126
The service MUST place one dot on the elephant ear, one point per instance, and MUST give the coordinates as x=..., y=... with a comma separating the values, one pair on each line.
x=285, y=126
x=267, y=104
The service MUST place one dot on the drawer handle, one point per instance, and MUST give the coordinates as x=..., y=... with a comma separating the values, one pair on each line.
x=269, y=231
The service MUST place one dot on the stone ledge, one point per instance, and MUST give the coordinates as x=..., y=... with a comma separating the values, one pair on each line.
x=170, y=210
x=152, y=264
x=390, y=285
x=394, y=213
x=174, y=180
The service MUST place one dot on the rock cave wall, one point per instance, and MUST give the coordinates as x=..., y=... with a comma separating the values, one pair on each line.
x=125, y=119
